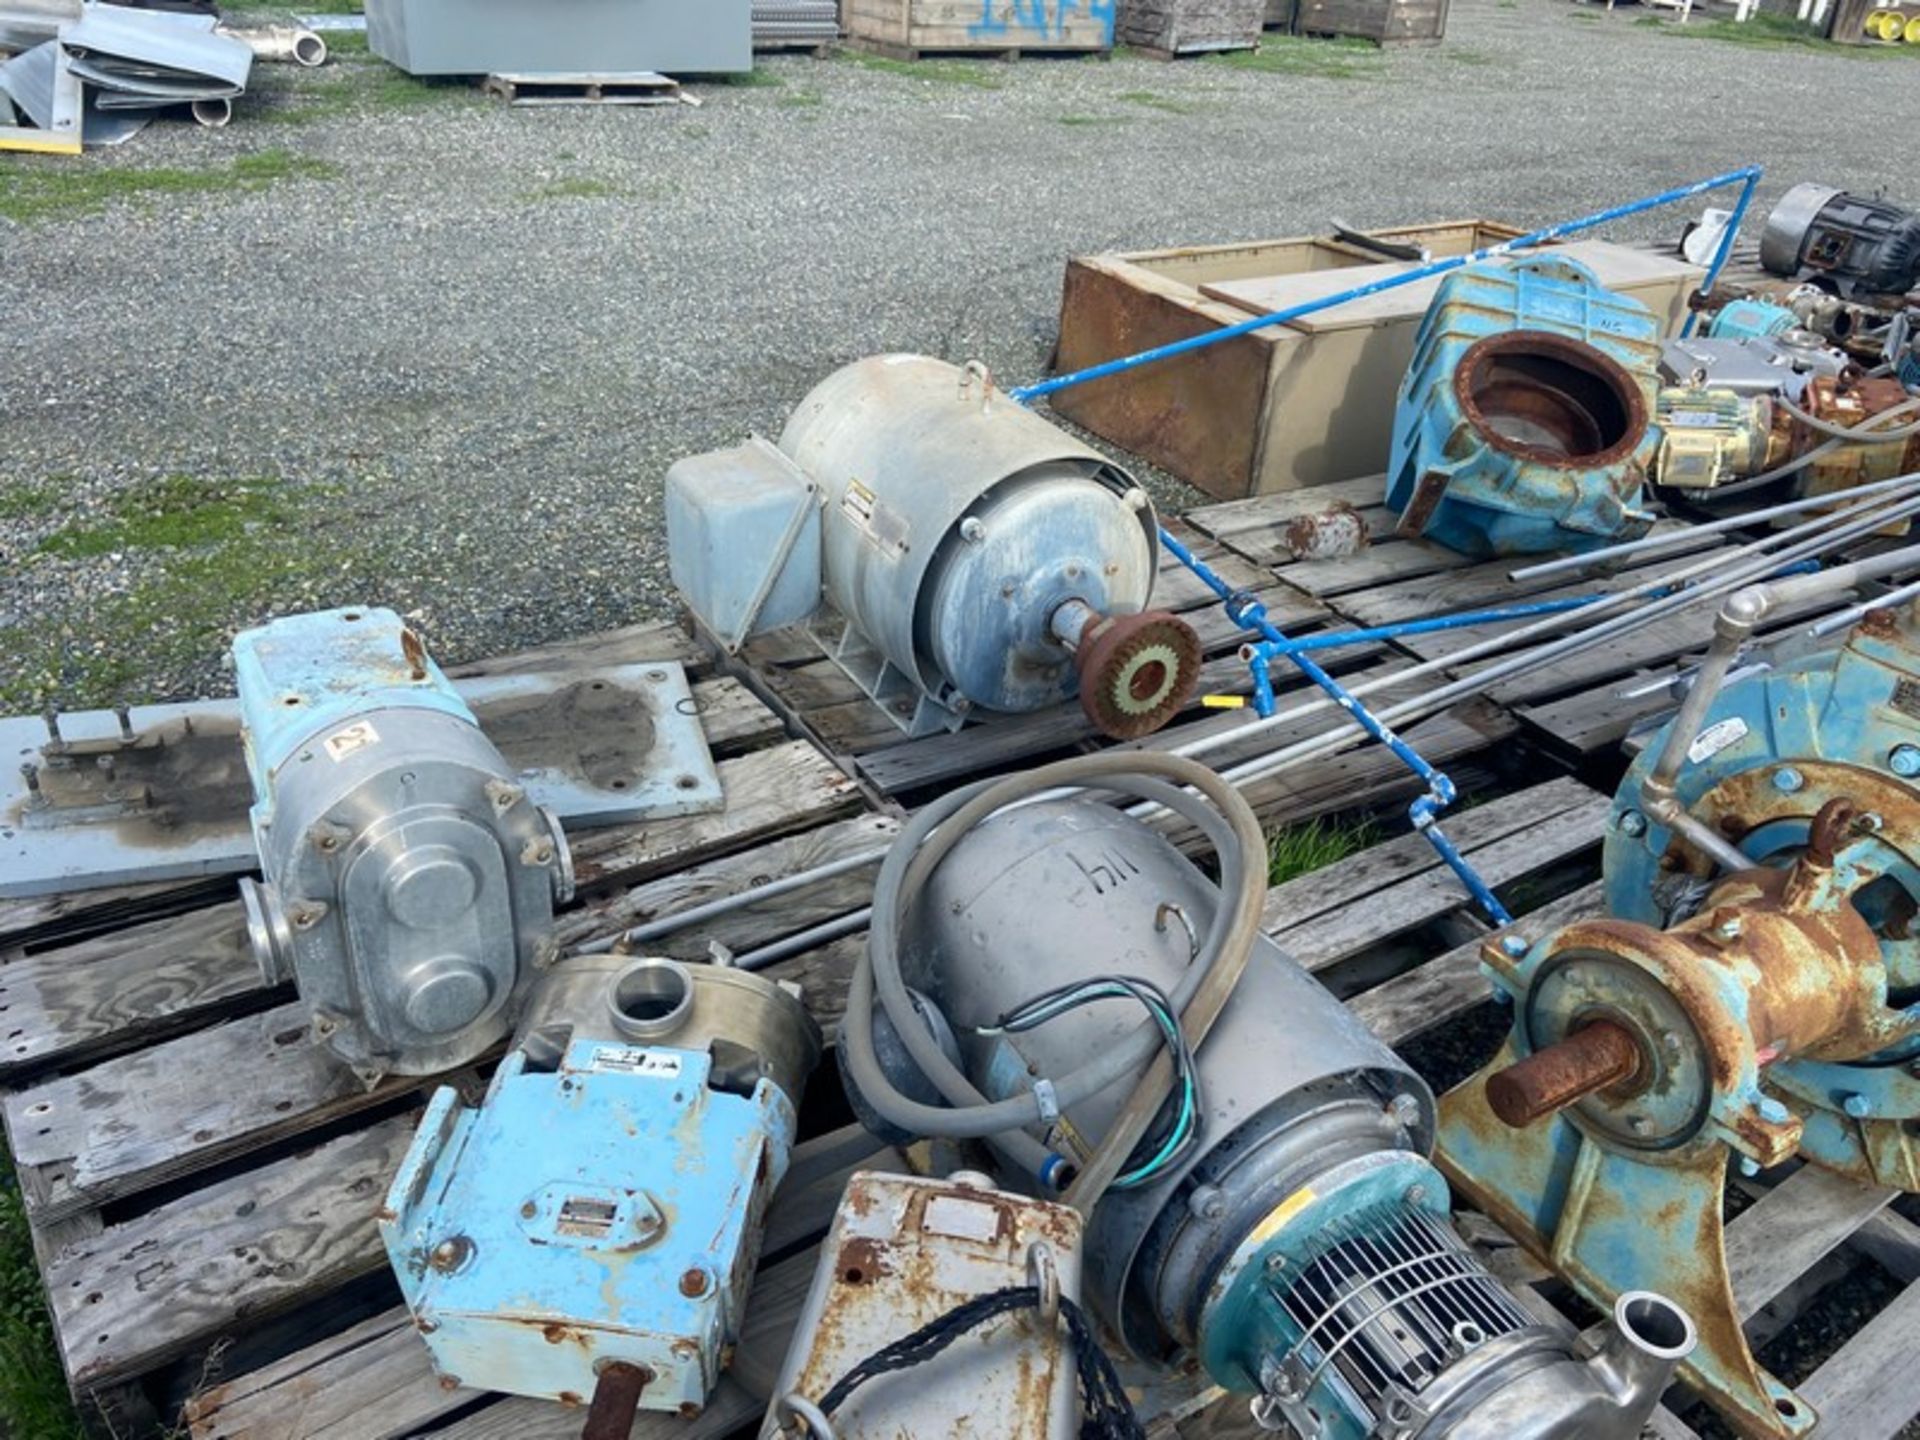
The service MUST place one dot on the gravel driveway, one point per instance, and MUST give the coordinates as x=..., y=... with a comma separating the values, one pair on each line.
x=383, y=342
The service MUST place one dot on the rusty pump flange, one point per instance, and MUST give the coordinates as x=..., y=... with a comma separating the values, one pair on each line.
x=1751, y=996
x=1637, y=1064
x=1136, y=672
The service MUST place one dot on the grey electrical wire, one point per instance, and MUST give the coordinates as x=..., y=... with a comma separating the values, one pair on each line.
x=1867, y=432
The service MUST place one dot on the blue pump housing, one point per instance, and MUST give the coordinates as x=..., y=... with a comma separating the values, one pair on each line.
x=300, y=676
x=1772, y=750
x=1524, y=422
x=1751, y=319
x=605, y=1202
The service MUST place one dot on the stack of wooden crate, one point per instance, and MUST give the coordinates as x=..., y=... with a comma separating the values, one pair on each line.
x=910, y=29
x=1188, y=27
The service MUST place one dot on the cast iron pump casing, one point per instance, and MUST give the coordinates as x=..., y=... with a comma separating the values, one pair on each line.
x=409, y=881
x=1301, y=1250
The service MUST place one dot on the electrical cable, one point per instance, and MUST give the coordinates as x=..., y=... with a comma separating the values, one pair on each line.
x=1199, y=796
x=1866, y=432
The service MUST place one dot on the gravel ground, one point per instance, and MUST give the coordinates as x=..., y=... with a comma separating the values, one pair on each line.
x=446, y=350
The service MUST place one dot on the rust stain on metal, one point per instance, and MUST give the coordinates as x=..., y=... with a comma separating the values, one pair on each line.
x=1330, y=534
x=1555, y=386
x=862, y=1260
x=693, y=1283
x=1594, y=1057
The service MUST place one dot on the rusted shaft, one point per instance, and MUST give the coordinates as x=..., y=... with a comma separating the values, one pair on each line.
x=1591, y=1058
x=616, y=1398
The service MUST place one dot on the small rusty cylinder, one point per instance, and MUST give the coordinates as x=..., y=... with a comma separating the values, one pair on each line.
x=1591, y=1058
x=616, y=1400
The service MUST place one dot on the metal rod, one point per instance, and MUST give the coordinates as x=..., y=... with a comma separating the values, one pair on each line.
x=1339, y=639
x=1592, y=1058
x=739, y=900
x=1750, y=174
x=1244, y=610
x=1709, y=527
x=1842, y=619
x=804, y=940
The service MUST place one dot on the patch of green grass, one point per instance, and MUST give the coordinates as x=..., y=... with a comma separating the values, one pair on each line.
x=178, y=512
x=1781, y=32
x=975, y=73
x=1461, y=55
x=1507, y=5
x=216, y=556
x=1094, y=120
x=1651, y=22
x=33, y=1392
x=577, y=187
x=25, y=500
x=1344, y=59
x=347, y=42
x=351, y=86
x=801, y=99
x=1592, y=16
x=1157, y=102
x=31, y=189
x=1313, y=845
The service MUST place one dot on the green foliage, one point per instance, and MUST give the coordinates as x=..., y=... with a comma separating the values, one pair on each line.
x=801, y=99
x=1158, y=102
x=1766, y=31
x=25, y=500
x=1314, y=844
x=179, y=511
x=1095, y=120
x=1342, y=59
x=50, y=188
x=33, y=1393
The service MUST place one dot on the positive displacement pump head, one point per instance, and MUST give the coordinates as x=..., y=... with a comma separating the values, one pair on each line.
x=410, y=881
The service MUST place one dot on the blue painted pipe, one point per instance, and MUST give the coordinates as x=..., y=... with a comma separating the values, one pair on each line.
x=1749, y=174
x=1249, y=613
x=1340, y=639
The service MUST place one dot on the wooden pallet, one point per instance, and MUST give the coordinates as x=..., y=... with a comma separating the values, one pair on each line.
x=201, y=1183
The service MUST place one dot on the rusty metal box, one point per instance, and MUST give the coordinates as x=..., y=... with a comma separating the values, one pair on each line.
x=1302, y=404
x=905, y=1251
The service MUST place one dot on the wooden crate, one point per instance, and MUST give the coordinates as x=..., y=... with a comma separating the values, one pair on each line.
x=1385, y=22
x=1304, y=404
x=1280, y=14
x=909, y=29
x=1166, y=28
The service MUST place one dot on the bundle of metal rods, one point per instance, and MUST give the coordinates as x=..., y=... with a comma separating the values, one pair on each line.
x=1694, y=589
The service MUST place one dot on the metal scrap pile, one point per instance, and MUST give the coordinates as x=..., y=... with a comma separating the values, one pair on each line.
x=778, y=23
x=93, y=74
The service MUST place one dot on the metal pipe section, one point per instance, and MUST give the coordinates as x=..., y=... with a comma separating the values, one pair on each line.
x=1749, y=174
x=1248, y=612
x=1340, y=639
x=1812, y=533
x=1593, y=559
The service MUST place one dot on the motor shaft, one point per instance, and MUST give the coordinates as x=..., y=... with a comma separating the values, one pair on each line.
x=1591, y=1058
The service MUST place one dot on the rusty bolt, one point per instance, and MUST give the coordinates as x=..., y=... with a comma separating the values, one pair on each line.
x=538, y=851
x=450, y=1254
x=449, y=1382
x=616, y=1399
x=529, y=1210
x=689, y=1410
x=426, y=1326
x=1589, y=1059
x=693, y=1284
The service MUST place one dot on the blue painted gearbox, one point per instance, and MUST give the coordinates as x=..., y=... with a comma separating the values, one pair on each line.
x=1524, y=422
x=605, y=1202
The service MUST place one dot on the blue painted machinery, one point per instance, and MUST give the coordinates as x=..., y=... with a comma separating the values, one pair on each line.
x=590, y=1230
x=1524, y=422
x=1751, y=996
x=409, y=881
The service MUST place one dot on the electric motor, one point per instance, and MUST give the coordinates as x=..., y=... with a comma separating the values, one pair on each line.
x=1300, y=1246
x=973, y=558
x=1853, y=244
x=409, y=881
x=593, y=1225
